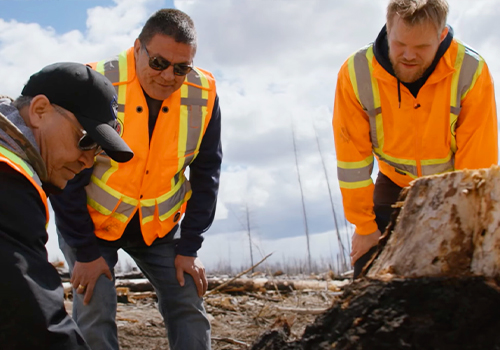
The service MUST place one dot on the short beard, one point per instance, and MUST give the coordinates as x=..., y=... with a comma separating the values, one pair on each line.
x=407, y=79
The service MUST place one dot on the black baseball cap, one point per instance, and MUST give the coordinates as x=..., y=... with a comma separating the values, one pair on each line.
x=87, y=94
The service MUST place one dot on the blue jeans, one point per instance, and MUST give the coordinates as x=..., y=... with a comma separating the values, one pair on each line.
x=182, y=310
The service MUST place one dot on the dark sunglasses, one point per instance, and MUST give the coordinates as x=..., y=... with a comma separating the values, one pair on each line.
x=160, y=64
x=86, y=143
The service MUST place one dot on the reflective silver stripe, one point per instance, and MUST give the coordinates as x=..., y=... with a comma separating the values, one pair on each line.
x=167, y=205
x=365, y=92
x=103, y=198
x=469, y=67
x=404, y=167
x=148, y=211
x=188, y=160
x=101, y=165
x=438, y=168
x=36, y=178
x=193, y=101
x=125, y=209
x=177, y=198
x=355, y=175
x=112, y=71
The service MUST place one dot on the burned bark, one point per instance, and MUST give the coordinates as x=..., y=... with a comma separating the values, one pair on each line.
x=434, y=284
x=439, y=313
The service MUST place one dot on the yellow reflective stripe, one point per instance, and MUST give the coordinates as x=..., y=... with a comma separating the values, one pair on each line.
x=148, y=203
x=123, y=67
x=147, y=219
x=355, y=165
x=113, y=167
x=438, y=160
x=100, y=208
x=168, y=195
x=204, y=83
x=16, y=159
x=113, y=192
x=453, y=95
x=456, y=75
x=120, y=217
x=104, y=211
x=355, y=172
x=171, y=212
x=355, y=185
x=379, y=122
x=410, y=162
x=453, y=125
x=100, y=67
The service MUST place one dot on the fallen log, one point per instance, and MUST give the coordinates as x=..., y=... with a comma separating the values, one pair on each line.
x=246, y=285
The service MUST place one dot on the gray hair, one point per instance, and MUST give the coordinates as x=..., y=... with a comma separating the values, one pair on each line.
x=172, y=23
x=415, y=12
x=22, y=101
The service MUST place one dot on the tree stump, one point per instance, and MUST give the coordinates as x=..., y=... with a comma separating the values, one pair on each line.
x=434, y=284
x=449, y=225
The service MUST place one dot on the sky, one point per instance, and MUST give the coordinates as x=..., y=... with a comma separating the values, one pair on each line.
x=276, y=63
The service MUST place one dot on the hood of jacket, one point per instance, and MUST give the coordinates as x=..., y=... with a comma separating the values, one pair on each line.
x=17, y=137
x=381, y=53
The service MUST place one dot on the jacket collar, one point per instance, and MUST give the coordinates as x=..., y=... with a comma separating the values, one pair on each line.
x=18, y=138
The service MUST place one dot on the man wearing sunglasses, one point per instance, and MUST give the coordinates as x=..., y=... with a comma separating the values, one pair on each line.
x=64, y=117
x=169, y=114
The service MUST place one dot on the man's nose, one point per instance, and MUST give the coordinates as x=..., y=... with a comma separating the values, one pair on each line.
x=168, y=74
x=87, y=158
x=409, y=54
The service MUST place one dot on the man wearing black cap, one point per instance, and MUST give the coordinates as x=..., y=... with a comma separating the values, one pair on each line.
x=169, y=115
x=65, y=116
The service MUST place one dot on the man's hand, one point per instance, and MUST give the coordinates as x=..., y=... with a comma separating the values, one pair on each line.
x=194, y=267
x=362, y=244
x=85, y=275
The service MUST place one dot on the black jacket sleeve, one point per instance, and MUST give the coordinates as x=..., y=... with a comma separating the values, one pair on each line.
x=204, y=174
x=73, y=220
x=22, y=212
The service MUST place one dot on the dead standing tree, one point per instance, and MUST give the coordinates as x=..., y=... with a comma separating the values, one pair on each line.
x=342, y=265
x=302, y=198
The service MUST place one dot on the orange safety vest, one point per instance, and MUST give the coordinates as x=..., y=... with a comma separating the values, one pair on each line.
x=153, y=182
x=18, y=164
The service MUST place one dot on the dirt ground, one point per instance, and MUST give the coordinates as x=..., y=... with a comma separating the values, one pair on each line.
x=236, y=319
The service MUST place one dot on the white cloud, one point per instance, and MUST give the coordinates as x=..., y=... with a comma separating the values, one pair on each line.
x=276, y=63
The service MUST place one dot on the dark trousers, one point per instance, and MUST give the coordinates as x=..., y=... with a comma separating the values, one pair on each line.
x=386, y=193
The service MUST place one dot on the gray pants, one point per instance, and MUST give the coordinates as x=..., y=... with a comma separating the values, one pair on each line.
x=182, y=310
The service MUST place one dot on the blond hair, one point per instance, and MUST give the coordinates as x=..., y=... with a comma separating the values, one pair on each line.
x=415, y=12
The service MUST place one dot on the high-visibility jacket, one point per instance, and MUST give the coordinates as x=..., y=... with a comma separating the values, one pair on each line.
x=153, y=182
x=450, y=125
x=20, y=165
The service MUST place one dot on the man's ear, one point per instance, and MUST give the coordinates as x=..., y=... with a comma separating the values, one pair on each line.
x=444, y=33
x=38, y=107
x=137, y=48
